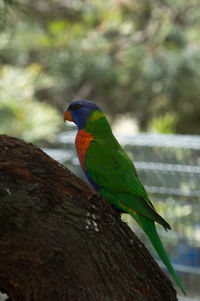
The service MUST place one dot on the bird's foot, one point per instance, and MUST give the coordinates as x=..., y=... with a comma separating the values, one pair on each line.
x=95, y=194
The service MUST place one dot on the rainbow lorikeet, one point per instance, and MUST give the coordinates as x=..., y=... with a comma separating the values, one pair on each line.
x=112, y=173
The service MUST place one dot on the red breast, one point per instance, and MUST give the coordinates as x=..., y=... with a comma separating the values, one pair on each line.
x=82, y=142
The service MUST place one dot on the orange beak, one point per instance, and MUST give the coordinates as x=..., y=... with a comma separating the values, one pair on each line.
x=68, y=116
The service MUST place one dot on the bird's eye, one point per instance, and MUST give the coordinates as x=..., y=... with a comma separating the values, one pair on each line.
x=75, y=107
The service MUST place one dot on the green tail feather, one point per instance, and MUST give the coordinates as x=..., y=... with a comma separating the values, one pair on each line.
x=150, y=229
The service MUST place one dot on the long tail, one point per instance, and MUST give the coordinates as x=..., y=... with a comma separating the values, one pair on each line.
x=149, y=228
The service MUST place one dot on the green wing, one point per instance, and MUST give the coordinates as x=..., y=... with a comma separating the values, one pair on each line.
x=111, y=168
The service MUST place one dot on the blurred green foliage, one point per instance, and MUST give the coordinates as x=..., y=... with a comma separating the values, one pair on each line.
x=21, y=114
x=129, y=56
x=165, y=124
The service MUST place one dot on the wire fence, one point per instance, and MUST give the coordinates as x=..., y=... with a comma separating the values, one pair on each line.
x=169, y=167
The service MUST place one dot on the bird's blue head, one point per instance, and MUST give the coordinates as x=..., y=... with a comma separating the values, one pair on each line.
x=79, y=112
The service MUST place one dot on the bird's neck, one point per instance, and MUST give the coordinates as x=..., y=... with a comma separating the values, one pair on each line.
x=98, y=125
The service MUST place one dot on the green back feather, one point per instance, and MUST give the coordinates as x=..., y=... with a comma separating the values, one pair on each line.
x=111, y=168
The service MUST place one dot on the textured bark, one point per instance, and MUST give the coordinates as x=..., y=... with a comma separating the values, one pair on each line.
x=60, y=242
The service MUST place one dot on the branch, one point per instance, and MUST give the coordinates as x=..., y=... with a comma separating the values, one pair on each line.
x=57, y=244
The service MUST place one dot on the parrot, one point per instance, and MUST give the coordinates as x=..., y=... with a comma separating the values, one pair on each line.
x=112, y=173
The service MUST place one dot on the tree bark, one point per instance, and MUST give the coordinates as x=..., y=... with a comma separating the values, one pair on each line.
x=59, y=241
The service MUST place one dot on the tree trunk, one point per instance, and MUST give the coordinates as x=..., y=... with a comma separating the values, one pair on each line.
x=58, y=241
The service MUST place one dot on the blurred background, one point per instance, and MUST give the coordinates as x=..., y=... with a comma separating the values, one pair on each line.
x=140, y=61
